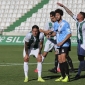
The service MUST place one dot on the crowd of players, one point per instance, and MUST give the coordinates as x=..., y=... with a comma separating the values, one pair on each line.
x=58, y=33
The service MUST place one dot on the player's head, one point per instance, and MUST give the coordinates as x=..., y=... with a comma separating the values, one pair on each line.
x=58, y=14
x=52, y=16
x=35, y=30
x=81, y=16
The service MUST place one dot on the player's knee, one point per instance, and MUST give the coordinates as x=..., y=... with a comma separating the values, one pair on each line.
x=45, y=54
x=39, y=59
x=26, y=60
x=59, y=60
x=80, y=57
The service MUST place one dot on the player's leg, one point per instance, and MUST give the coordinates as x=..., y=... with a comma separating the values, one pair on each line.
x=39, y=64
x=25, y=66
x=61, y=68
x=46, y=49
x=69, y=60
x=81, y=64
x=65, y=67
x=48, y=46
x=54, y=70
x=56, y=64
x=81, y=54
x=63, y=64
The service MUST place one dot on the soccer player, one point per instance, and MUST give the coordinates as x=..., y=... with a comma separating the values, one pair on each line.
x=50, y=43
x=63, y=33
x=33, y=46
x=80, y=37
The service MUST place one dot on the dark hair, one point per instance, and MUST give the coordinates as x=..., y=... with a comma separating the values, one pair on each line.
x=59, y=11
x=35, y=26
x=52, y=13
x=83, y=13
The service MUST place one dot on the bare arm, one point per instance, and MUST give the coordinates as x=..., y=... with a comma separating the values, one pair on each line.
x=40, y=47
x=45, y=32
x=53, y=34
x=67, y=10
x=26, y=48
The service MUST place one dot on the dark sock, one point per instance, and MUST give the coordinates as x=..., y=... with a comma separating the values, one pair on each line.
x=62, y=70
x=66, y=68
x=56, y=61
x=70, y=62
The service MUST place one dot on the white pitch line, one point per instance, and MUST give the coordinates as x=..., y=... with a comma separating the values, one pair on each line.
x=19, y=64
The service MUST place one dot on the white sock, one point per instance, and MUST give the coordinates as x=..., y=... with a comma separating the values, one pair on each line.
x=26, y=69
x=58, y=66
x=39, y=67
x=43, y=58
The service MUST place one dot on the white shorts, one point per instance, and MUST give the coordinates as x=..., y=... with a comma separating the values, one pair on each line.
x=48, y=46
x=31, y=52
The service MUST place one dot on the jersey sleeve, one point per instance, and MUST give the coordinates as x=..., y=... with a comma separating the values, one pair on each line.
x=83, y=27
x=46, y=27
x=75, y=18
x=27, y=37
x=41, y=37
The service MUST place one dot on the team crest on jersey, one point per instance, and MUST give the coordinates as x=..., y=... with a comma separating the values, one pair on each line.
x=62, y=50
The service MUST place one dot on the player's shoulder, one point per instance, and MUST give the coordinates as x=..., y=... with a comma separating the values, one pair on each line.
x=56, y=23
x=84, y=23
x=65, y=22
x=41, y=34
x=29, y=34
x=49, y=22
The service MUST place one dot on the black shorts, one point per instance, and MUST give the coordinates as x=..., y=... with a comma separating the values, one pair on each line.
x=69, y=44
x=63, y=50
x=69, y=48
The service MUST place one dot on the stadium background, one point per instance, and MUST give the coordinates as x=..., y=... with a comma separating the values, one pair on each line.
x=16, y=19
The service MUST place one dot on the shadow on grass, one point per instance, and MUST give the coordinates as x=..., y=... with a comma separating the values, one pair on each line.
x=47, y=77
x=51, y=77
x=81, y=77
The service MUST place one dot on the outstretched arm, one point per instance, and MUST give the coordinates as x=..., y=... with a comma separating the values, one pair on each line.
x=40, y=47
x=67, y=10
x=45, y=32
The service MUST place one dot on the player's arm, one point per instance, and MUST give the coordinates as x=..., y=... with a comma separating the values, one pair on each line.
x=67, y=10
x=41, y=42
x=45, y=32
x=27, y=38
x=66, y=38
x=40, y=47
x=26, y=48
x=52, y=34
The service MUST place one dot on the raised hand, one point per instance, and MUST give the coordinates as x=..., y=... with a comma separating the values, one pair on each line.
x=60, y=4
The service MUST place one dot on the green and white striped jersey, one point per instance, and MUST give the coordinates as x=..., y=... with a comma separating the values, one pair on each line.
x=80, y=30
x=49, y=26
x=34, y=41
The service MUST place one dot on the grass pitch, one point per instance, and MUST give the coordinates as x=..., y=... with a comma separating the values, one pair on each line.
x=11, y=68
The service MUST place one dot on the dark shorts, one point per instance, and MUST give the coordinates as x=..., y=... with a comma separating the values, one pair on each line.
x=63, y=50
x=69, y=44
x=80, y=50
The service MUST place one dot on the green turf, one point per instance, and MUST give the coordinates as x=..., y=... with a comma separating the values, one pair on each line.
x=13, y=75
